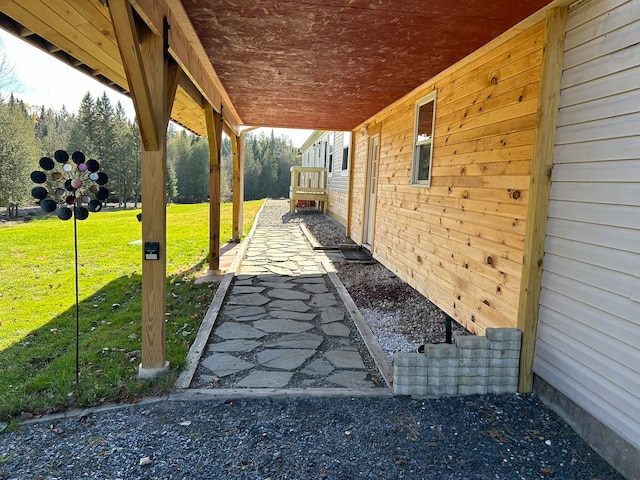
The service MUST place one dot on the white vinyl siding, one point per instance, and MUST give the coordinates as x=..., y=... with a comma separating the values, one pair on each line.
x=339, y=178
x=588, y=344
x=316, y=155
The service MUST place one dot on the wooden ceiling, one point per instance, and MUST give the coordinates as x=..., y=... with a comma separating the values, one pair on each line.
x=332, y=64
x=283, y=63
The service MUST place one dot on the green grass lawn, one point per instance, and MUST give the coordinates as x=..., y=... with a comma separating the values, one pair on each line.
x=37, y=306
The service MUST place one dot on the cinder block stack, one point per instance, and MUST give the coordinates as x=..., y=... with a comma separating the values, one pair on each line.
x=442, y=369
x=473, y=355
x=504, y=359
x=473, y=365
x=410, y=374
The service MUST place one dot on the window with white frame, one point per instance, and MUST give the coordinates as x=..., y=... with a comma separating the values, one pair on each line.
x=330, y=148
x=423, y=140
x=346, y=142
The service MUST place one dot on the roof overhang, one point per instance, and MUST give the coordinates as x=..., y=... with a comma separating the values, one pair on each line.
x=284, y=63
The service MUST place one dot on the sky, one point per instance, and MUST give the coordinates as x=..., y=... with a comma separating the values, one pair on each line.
x=44, y=80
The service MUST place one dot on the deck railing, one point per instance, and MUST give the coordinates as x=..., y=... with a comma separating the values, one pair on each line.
x=309, y=184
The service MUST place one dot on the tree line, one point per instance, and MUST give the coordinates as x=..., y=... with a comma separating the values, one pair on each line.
x=102, y=131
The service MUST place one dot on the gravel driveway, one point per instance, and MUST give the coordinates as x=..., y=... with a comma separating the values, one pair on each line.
x=507, y=437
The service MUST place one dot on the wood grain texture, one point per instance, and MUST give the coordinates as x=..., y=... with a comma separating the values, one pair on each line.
x=460, y=242
x=154, y=218
x=539, y=194
x=214, y=137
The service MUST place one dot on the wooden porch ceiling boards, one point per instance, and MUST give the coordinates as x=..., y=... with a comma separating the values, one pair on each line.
x=331, y=65
x=281, y=63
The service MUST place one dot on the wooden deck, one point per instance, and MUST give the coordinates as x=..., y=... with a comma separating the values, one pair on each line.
x=310, y=184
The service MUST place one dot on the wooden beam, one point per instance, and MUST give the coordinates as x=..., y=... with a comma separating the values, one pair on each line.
x=155, y=87
x=185, y=47
x=237, y=152
x=174, y=74
x=126, y=30
x=352, y=150
x=214, y=135
x=191, y=90
x=542, y=165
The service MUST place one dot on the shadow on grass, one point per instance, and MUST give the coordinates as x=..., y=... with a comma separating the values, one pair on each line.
x=38, y=374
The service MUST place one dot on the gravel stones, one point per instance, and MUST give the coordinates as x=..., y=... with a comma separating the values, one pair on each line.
x=401, y=318
x=477, y=437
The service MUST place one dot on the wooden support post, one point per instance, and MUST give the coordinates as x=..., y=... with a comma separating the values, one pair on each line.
x=352, y=155
x=153, y=82
x=214, y=135
x=238, y=186
x=542, y=165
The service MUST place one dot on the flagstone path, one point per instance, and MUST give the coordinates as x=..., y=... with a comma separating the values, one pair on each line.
x=283, y=324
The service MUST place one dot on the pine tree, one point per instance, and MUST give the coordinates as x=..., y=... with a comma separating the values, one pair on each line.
x=124, y=159
x=19, y=152
x=84, y=127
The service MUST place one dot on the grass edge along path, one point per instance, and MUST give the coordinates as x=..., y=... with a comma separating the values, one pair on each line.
x=37, y=306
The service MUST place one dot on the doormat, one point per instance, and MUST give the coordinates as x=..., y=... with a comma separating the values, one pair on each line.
x=358, y=255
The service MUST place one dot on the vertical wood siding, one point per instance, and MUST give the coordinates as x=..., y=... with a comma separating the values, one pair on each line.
x=588, y=342
x=460, y=241
x=337, y=206
x=357, y=192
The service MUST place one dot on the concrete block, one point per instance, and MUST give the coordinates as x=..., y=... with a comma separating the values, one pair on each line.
x=505, y=345
x=472, y=380
x=409, y=390
x=439, y=390
x=437, y=371
x=473, y=353
x=473, y=371
x=443, y=362
x=504, y=362
x=409, y=371
x=438, y=381
x=503, y=334
x=501, y=389
x=418, y=390
x=472, y=389
x=472, y=342
x=399, y=389
x=440, y=350
x=499, y=353
x=477, y=362
x=504, y=374
x=499, y=380
x=407, y=359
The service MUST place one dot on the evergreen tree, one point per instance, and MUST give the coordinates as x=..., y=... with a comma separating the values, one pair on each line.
x=192, y=171
x=252, y=168
x=123, y=160
x=178, y=147
x=226, y=171
x=102, y=136
x=19, y=152
x=172, y=182
x=84, y=127
x=52, y=129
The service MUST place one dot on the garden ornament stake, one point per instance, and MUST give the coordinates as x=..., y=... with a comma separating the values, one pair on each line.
x=73, y=187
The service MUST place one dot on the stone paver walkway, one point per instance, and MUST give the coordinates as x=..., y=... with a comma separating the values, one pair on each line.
x=283, y=324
